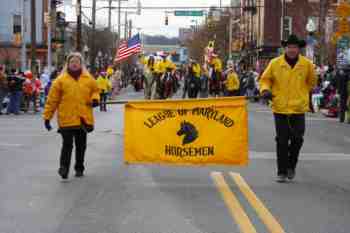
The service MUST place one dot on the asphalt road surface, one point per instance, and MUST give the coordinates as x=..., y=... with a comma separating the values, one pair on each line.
x=115, y=198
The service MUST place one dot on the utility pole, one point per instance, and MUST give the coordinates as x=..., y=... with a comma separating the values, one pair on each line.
x=119, y=21
x=126, y=26
x=93, y=35
x=130, y=29
x=49, y=22
x=322, y=28
x=78, y=45
x=33, y=36
x=23, y=32
x=110, y=15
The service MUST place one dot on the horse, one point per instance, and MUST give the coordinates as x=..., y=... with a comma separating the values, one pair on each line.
x=166, y=86
x=215, y=85
x=190, y=131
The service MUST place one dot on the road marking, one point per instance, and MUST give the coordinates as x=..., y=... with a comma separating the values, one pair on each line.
x=10, y=145
x=303, y=156
x=232, y=203
x=264, y=214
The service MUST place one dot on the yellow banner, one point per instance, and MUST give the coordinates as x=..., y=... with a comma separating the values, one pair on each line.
x=185, y=132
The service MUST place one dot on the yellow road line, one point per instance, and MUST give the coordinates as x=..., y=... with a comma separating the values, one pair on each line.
x=235, y=208
x=264, y=214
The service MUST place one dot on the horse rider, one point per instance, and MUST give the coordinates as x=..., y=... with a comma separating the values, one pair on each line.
x=215, y=76
x=164, y=69
x=150, y=77
x=192, y=81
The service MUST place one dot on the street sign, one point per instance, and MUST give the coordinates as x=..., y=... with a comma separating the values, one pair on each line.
x=189, y=13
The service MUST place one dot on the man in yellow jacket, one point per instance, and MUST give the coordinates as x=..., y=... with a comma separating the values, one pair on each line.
x=104, y=84
x=73, y=95
x=287, y=82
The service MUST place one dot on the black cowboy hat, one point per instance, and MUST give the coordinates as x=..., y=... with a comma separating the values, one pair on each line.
x=293, y=39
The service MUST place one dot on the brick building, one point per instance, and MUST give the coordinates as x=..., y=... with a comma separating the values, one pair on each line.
x=262, y=30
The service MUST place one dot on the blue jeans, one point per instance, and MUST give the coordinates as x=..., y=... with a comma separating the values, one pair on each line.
x=15, y=102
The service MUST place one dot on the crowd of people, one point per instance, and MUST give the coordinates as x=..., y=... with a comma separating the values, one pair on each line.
x=162, y=79
x=25, y=92
x=331, y=95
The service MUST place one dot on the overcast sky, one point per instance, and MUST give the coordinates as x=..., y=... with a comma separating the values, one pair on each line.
x=150, y=21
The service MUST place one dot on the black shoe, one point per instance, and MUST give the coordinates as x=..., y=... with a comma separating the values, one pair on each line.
x=290, y=174
x=281, y=178
x=63, y=173
x=79, y=174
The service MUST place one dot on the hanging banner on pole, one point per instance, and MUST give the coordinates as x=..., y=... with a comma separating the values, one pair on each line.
x=187, y=132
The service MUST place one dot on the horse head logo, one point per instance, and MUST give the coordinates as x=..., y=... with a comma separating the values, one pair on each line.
x=190, y=132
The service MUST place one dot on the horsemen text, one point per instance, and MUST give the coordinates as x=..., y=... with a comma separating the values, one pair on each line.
x=189, y=151
x=209, y=113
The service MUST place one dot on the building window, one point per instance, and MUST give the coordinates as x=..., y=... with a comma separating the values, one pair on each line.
x=16, y=24
x=286, y=27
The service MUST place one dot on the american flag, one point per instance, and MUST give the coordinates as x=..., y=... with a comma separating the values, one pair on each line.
x=128, y=48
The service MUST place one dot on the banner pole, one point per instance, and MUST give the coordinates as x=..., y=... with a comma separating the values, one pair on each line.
x=127, y=101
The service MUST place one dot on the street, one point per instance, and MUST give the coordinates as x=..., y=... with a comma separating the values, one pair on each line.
x=116, y=198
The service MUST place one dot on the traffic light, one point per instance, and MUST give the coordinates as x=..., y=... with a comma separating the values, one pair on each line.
x=166, y=20
x=17, y=39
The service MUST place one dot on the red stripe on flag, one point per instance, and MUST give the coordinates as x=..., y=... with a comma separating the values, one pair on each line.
x=124, y=53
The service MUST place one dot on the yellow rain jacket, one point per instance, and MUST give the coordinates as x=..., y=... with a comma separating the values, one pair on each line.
x=217, y=64
x=290, y=87
x=104, y=84
x=72, y=99
x=163, y=65
x=232, y=82
x=196, y=69
x=143, y=60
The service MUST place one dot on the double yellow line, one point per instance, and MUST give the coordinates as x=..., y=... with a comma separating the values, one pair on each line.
x=237, y=211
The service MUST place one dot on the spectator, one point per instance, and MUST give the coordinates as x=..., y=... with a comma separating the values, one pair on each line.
x=15, y=84
x=31, y=91
x=3, y=87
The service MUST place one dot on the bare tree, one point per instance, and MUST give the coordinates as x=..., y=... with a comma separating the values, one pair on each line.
x=217, y=31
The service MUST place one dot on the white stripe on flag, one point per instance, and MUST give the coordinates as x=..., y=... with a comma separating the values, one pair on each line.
x=128, y=52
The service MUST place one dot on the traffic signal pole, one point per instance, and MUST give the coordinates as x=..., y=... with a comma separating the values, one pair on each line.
x=49, y=53
x=93, y=35
x=33, y=36
x=23, y=31
x=78, y=45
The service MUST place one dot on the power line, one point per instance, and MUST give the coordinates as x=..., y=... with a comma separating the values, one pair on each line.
x=175, y=7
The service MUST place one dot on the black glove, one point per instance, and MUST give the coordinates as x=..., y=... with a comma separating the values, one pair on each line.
x=267, y=95
x=48, y=125
x=95, y=103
